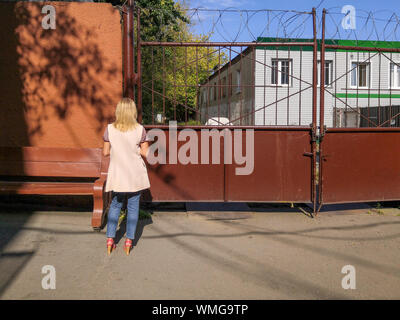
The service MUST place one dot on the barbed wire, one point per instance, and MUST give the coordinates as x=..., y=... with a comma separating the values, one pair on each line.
x=233, y=25
x=249, y=25
x=381, y=25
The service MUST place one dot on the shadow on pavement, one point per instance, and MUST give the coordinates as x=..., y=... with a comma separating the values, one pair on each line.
x=139, y=230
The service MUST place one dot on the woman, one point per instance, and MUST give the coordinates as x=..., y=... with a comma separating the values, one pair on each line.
x=125, y=142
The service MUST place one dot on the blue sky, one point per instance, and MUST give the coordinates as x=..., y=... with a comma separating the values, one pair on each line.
x=246, y=26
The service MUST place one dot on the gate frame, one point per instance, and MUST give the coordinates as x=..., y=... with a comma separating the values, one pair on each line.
x=133, y=81
x=322, y=127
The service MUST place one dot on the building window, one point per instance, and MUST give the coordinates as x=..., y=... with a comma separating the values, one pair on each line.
x=223, y=87
x=394, y=75
x=238, y=83
x=230, y=85
x=360, y=74
x=328, y=73
x=215, y=91
x=281, y=72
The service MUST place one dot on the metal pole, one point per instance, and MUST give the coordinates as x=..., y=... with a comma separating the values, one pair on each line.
x=314, y=112
x=128, y=51
x=321, y=109
x=139, y=68
x=322, y=78
x=125, y=50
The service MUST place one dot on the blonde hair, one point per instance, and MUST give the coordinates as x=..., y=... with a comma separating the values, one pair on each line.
x=125, y=115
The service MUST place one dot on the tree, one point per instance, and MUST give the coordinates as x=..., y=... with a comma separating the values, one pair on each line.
x=171, y=75
x=159, y=18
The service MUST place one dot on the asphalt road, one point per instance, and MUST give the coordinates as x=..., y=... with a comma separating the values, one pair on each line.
x=270, y=252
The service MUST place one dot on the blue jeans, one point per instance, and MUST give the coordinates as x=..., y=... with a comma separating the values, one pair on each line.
x=115, y=209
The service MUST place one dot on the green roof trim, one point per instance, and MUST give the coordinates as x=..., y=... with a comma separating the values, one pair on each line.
x=284, y=48
x=351, y=43
x=366, y=95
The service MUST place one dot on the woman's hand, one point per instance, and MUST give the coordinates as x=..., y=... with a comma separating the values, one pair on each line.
x=106, y=149
x=144, y=149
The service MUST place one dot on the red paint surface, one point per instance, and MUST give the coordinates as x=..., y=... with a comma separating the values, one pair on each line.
x=361, y=166
x=281, y=173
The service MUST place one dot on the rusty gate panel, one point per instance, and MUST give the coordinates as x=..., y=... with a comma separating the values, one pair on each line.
x=282, y=168
x=361, y=165
x=185, y=182
x=359, y=156
x=282, y=171
x=227, y=85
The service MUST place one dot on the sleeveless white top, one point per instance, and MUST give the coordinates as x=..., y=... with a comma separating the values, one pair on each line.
x=127, y=170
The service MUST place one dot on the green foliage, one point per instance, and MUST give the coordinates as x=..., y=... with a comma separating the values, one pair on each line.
x=377, y=208
x=173, y=74
x=190, y=123
x=143, y=215
x=160, y=19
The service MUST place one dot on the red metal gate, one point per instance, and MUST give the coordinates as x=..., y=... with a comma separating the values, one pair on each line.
x=320, y=161
x=282, y=171
x=360, y=152
x=360, y=165
x=284, y=155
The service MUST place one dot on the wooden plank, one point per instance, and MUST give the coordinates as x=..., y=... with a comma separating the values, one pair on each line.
x=50, y=154
x=46, y=188
x=50, y=169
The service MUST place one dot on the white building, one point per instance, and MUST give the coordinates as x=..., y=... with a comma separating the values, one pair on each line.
x=274, y=76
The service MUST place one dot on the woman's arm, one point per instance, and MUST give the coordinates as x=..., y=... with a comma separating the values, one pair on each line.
x=106, y=148
x=144, y=149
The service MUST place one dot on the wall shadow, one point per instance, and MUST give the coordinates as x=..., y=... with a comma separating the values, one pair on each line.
x=58, y=88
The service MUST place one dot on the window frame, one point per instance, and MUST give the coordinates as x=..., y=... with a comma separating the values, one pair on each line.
x=238, y=81
x=204, y=98
x=224, y=89
x=215, y=91
x=369, y=71
x=279, y=72
x=319, y=73
x=397, y=65
x=230, y=88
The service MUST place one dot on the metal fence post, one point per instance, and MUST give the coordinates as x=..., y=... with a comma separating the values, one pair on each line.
x=314, y=112
x=139, y=67
x=128, y=58
x=321, y=110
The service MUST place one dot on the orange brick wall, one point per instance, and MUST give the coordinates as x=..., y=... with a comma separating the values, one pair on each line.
x=58, y=88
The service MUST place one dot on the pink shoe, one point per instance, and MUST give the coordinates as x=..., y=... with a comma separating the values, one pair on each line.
x=110, y=245
x=128, y=246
